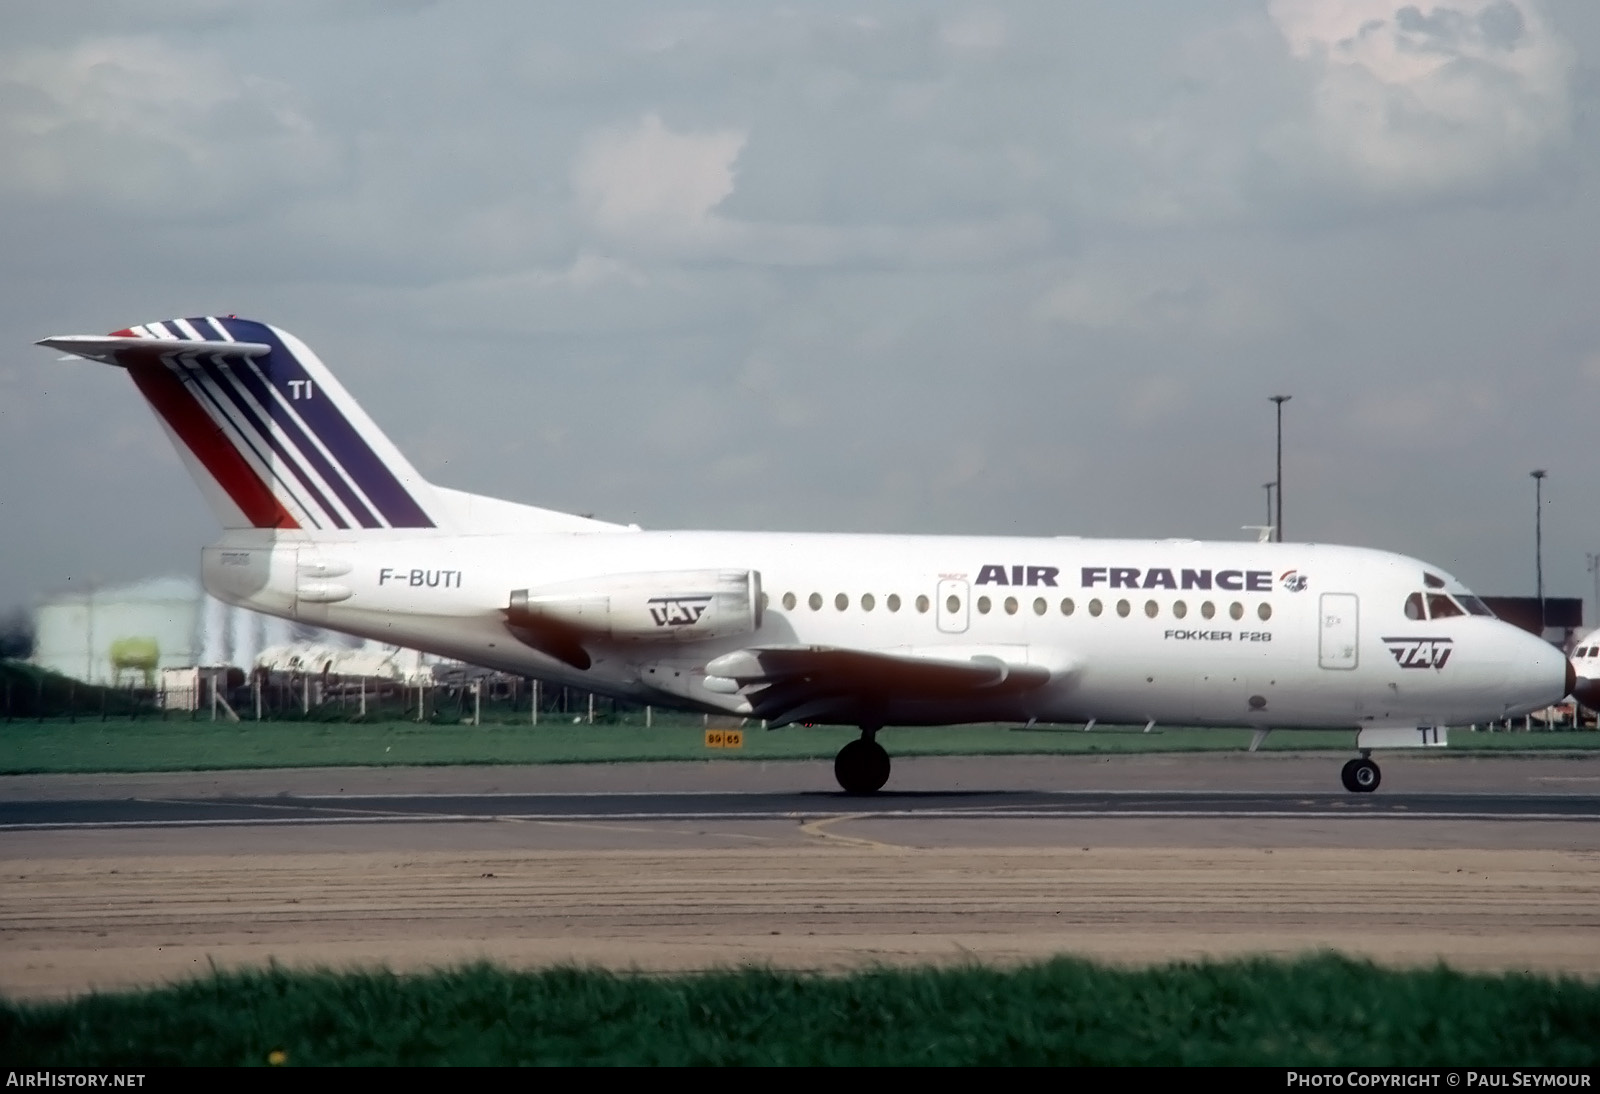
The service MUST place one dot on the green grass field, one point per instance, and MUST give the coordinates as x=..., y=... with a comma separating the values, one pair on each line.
x=1319, y=1011
x=143, y=744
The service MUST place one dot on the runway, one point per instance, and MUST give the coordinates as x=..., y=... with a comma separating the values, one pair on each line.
x=129, y=880
x=308, y=809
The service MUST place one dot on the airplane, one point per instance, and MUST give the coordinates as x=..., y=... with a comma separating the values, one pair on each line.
x=1586, y=663
x=324, y=521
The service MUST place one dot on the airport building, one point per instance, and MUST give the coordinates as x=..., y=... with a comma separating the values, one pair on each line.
x=127, y=635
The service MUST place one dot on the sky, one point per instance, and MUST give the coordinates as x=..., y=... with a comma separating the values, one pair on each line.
x=1015, y=268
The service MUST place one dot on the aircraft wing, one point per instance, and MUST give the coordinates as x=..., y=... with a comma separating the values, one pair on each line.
x=785, y=684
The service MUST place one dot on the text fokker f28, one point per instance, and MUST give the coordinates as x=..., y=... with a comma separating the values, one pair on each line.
x=325, y=521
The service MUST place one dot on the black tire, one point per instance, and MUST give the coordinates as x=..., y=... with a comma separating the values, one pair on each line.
x=1347, y=775
x=1365, y=776
x=862, y=767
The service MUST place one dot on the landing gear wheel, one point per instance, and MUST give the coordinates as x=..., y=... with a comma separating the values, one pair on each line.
x=1361, y=776
x=862, y=767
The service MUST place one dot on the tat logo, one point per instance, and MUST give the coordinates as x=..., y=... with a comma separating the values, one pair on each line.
x=1419, y=653
x=1294, y=581
x=678, y=611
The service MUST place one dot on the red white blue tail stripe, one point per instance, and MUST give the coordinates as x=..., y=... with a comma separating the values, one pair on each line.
x=278, y=437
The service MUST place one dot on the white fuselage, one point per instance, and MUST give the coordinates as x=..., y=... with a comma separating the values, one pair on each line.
x=1179, y=632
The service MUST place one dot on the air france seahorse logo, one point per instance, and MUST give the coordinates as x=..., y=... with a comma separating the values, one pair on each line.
x=1294, y=581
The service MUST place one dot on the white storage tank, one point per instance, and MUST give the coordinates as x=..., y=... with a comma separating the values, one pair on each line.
x=120, y=634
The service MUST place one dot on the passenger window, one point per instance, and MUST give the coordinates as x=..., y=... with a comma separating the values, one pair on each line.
x=1151, y=608
x=1414, y=607
x=815, y=600
x=1040, y=606
x=1179, y=609
x=867, y=602
x=1011, y=605
x=893, y=601
x=1264, y=612
x=1067, y=606
x=763, y=601
x=1208, y=609
x=983, y=605
x=1236, y=610
x=1094, y=607
x=1123, y=608
x=922, y=603
x=788, y=601
x=1442, y=607
x=841, y=602
x=952, y=604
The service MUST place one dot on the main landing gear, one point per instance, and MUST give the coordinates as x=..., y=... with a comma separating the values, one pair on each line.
x=862, y=766
x=1361, y=776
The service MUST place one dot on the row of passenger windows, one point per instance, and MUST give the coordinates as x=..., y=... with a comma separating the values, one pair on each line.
x=1011, y=605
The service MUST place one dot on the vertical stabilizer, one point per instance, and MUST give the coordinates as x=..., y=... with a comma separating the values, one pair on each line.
x=272, y=438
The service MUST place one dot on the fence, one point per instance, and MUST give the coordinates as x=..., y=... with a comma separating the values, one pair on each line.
x=228, y=695
x=488, y=699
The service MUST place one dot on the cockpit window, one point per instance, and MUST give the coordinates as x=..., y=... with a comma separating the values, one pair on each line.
x=1414, y=607
x=1432, y=581
x=1442, y=607
x=1474, y=605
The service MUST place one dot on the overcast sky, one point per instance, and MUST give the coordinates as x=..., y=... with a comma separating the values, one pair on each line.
x=1018, y=268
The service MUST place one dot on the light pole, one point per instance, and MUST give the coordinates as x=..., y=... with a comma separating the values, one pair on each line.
x=1593, y=562
x=1278, y=482
x=1538, y=541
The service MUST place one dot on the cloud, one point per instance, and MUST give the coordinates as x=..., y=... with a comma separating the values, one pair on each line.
x=1418, y=98
x=980, y=33
x=1097, y=296
x=648, y=190
x=134, y=121
x=647, y=182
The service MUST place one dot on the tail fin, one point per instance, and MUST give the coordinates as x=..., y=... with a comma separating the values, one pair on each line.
x=273, y=439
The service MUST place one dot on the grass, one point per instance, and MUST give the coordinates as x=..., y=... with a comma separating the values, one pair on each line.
x=1327, y=1010
x=142, y=744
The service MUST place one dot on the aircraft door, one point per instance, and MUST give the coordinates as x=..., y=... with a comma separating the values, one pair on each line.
x=1339, y=627
x=951, y=606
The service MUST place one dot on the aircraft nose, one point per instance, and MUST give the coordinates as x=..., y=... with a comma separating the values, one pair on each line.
x=1585, y=689
x=1543, y=675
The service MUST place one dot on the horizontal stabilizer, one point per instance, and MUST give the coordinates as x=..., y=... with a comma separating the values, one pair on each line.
x=115, y=350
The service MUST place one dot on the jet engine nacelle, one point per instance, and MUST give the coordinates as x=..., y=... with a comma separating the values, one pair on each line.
x=670, y=605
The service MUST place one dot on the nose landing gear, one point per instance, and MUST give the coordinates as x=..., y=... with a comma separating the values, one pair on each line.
x=862, y=766
x=1361, y=776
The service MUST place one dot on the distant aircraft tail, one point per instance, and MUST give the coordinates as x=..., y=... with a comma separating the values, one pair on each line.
x=273, y=439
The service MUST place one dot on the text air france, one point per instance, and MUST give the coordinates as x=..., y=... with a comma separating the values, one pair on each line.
x=1132, y=577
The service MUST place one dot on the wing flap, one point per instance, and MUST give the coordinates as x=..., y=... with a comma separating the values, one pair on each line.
x=793, y=683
